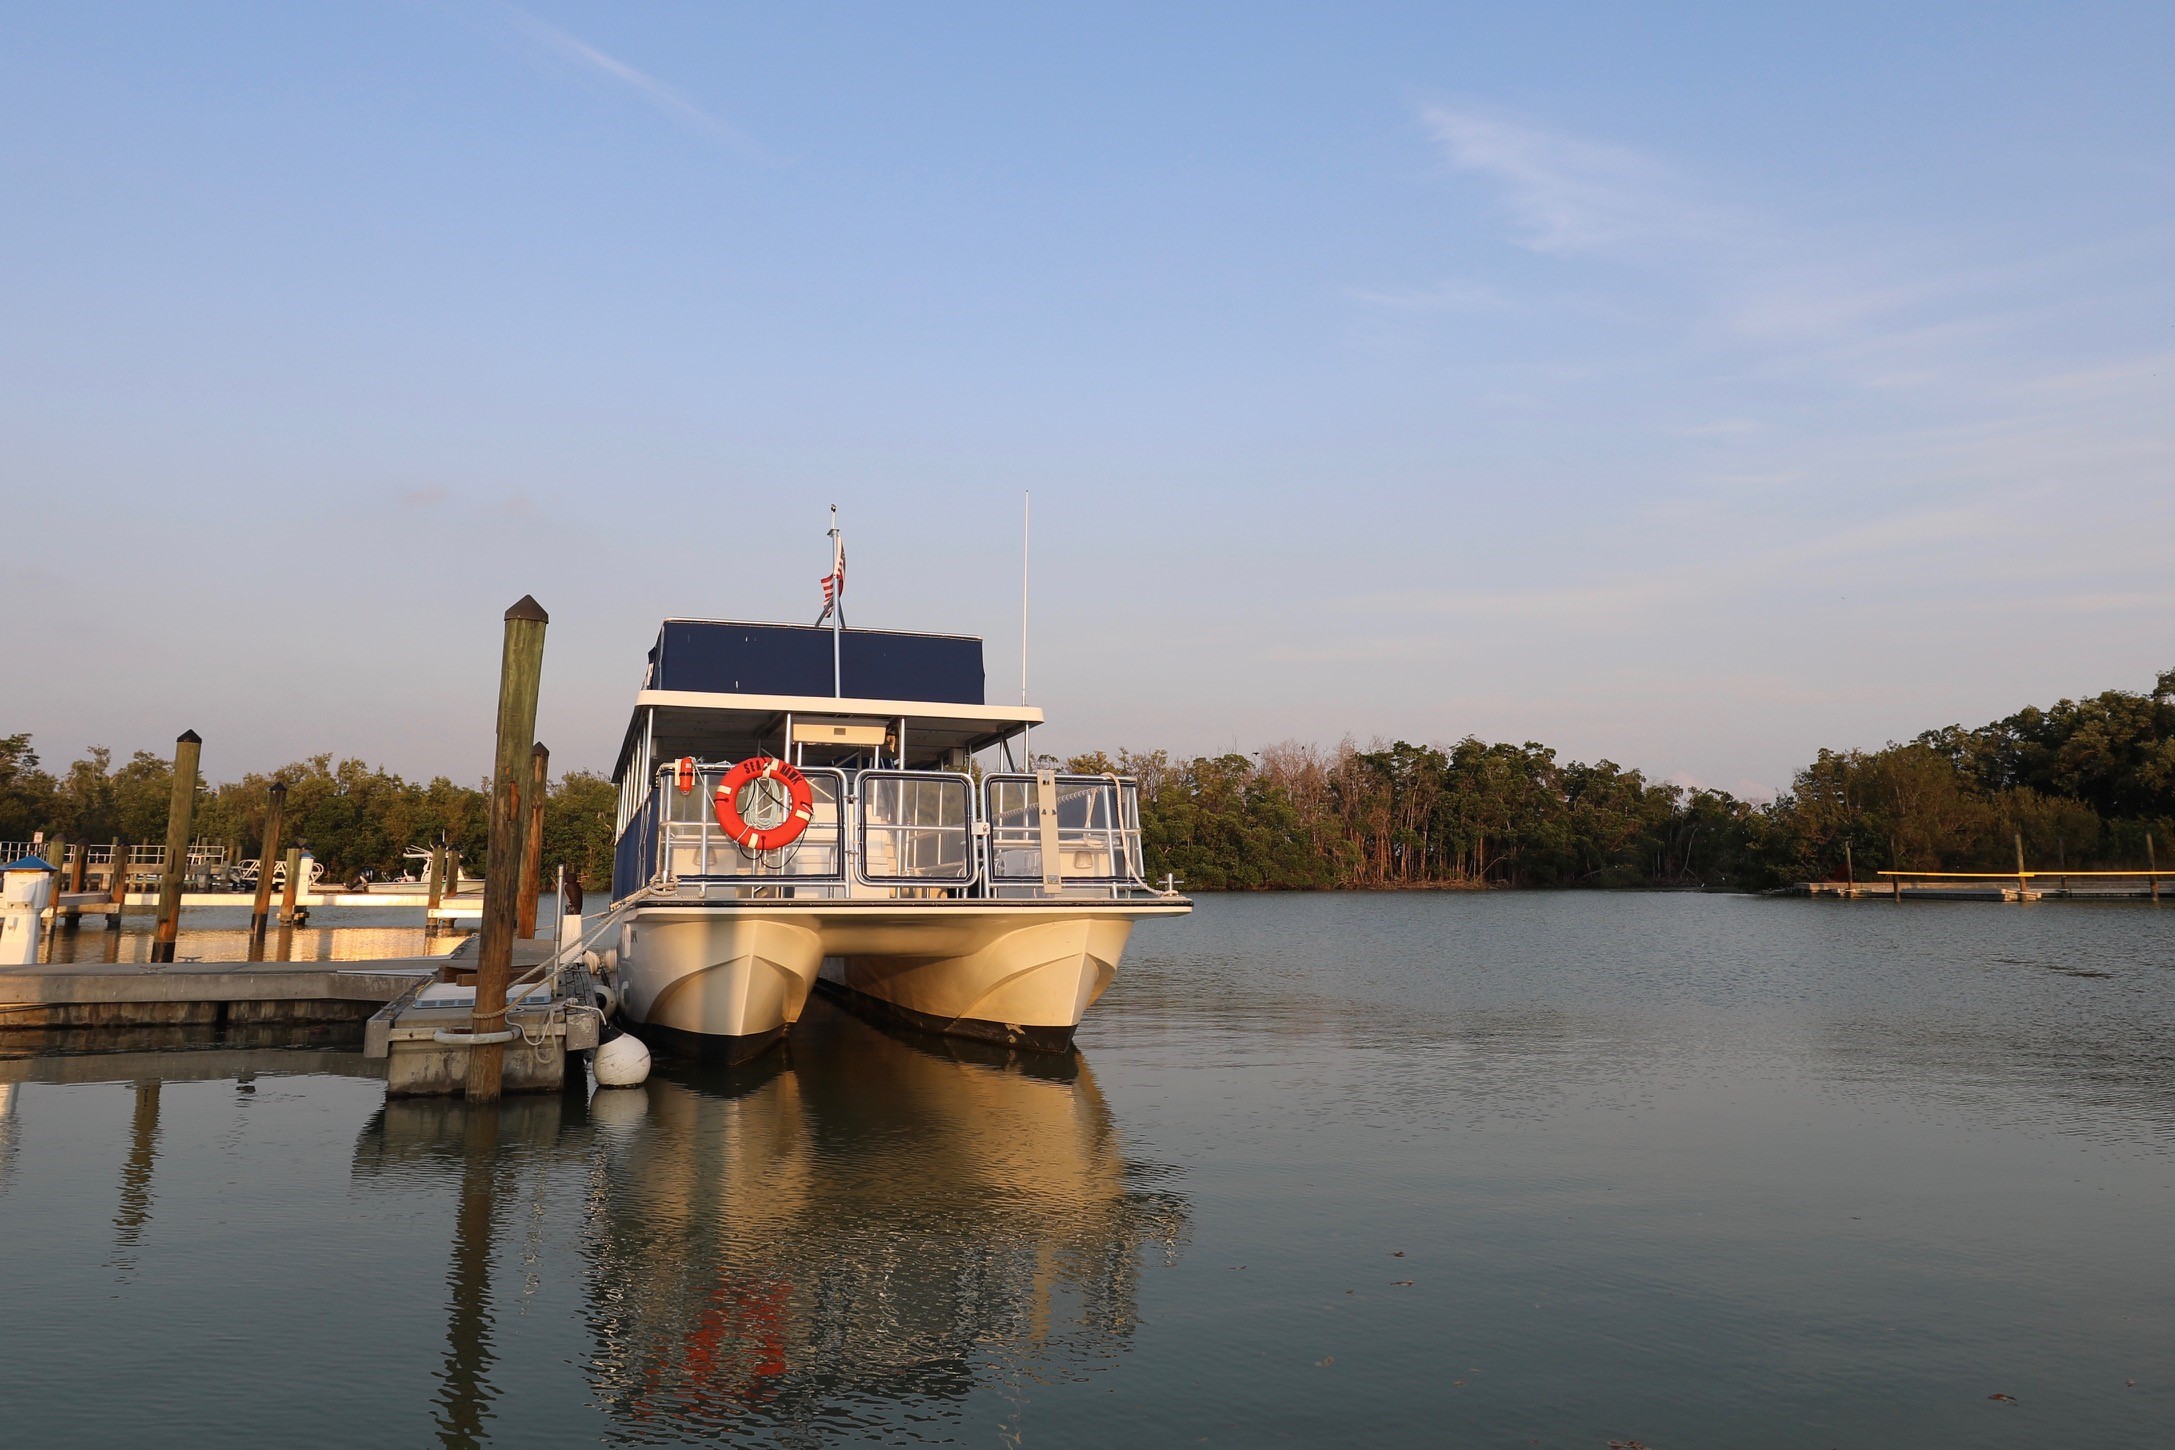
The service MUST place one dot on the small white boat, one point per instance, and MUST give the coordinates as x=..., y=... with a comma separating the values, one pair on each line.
x=882, y=837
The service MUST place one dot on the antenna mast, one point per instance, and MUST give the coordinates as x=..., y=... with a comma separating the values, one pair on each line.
x=1027, y=732
x=837, y=605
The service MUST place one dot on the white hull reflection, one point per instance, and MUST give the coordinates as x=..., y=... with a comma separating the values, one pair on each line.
x=872, y=1220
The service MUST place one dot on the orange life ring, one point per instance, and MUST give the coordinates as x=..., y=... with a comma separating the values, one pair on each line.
x=764, y=767
x=684, y=774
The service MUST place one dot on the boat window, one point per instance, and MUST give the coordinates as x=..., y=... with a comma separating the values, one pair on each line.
x=916, y=827
x=1098, y=828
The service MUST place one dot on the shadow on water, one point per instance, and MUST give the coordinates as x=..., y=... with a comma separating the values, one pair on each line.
x=848, y=1235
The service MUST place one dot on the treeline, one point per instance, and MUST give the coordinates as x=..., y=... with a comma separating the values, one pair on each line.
x=351, y=816
x=2087, y=783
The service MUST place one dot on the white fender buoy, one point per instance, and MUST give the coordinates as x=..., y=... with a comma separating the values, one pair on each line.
x=622, y=1062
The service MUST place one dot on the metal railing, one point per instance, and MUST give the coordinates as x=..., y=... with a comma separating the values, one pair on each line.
x=893, y=833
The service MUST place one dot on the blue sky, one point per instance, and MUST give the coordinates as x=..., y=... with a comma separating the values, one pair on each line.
x=1690, y=386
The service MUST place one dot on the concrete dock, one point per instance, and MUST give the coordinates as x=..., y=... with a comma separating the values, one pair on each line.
x=395, y=1009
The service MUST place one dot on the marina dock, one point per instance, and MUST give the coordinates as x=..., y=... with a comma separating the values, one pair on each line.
x=400, y=1010
x=465, y=907
x=2014, y=886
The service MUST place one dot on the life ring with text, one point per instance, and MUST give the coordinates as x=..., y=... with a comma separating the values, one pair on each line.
x=781, y=796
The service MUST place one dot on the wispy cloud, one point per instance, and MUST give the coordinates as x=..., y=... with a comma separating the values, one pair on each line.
x=1569, y=195
x=550, y=39
x=1443, y=298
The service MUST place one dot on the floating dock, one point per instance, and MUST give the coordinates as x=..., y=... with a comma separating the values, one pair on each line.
x=397, y=1008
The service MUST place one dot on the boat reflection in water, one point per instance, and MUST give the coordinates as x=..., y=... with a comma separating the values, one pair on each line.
x=878, y=1226
x=848, y=1237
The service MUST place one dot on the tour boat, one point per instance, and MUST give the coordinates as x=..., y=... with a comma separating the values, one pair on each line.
x=798, y=803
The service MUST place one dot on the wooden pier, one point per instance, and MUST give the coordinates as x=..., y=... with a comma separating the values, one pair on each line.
x=2016, y=886
x=396, y=1009
x=447, y=910
x=444, y=1025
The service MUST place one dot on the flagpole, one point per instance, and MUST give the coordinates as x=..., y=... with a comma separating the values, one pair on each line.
x=1027, y=731
x=838, y=591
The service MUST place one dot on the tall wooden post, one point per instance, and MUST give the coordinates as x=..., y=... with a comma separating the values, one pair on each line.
x=2152, y=867
x=61, y=875
x=293, y=885
x=1850, y=871
x=260, y=913
x=2021, y=878
x=118, y=883
x=434, y=892
x=180, y=815
x=520, y=676
x=532, y=839
x=56, y=855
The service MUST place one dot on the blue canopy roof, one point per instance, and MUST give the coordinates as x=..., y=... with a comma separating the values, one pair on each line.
x=28, y=863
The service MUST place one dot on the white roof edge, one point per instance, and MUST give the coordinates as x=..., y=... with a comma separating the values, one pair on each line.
x=831, y=705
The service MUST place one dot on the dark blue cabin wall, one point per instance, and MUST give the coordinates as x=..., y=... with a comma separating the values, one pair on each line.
x=792, y=659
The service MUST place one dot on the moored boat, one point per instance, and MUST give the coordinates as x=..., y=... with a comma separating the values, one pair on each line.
x=883, y=836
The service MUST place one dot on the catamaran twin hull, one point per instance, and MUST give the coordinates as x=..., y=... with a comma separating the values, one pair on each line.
x=727, y=977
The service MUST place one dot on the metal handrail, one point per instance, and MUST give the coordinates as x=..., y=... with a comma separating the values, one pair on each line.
x=707, y=773
x=658, y=839
x=1113, y=841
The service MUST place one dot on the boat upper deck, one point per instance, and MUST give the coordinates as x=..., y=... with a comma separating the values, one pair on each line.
x=721, y=688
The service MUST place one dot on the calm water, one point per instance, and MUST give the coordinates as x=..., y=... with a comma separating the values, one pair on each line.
x=1503, y=1170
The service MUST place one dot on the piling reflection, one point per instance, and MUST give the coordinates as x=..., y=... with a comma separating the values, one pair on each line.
x=10, y=1135
x=143, y=1151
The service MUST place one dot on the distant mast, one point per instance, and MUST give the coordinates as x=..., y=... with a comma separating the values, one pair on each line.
x=834, y=608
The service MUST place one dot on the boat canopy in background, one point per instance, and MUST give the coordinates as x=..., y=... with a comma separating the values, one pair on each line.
x=720, y=657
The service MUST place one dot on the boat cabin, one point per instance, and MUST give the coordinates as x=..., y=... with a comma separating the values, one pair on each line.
x=900, y=780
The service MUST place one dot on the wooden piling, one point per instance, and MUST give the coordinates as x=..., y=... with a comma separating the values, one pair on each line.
x=436, y=889
x=2023, y=882
x=180, y=815
x=532, y=838
x=2152, y=868
x=1850, y=873
x=520, y=676
x=70, y=879
x=293, y=885
x=119, y=884
x=260, y=913
x=54, y=851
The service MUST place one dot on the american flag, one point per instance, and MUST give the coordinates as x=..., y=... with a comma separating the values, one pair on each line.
x=834, y=583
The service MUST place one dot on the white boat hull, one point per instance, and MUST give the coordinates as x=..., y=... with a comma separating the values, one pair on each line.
x=726, y=981
x=1022, y=972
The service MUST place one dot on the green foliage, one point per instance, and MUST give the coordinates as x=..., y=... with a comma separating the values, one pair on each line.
x=26, y=792
x=2083, y=783
x=352, y=816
